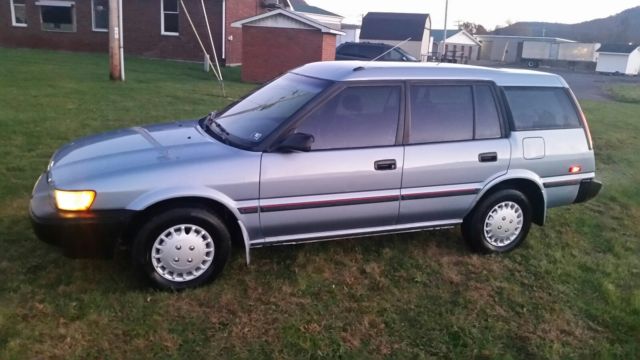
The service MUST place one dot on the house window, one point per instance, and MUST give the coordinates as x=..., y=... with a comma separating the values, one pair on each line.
x=57, y=15
x=100, y=15
x=18, y=13
x=170, y=14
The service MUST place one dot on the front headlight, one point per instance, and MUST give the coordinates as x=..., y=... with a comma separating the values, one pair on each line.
x=74, y=200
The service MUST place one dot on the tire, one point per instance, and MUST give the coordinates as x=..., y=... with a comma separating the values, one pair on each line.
x=192, y=247
x=505, y=210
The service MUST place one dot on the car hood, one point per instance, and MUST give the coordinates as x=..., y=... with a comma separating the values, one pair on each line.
x=134, y=149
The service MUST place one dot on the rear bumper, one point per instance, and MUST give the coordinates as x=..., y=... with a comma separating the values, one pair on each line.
x=589, y=188
x=87, y=234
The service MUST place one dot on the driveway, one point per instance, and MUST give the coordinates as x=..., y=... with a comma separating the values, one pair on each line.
x=592, y=86
x=586, y=85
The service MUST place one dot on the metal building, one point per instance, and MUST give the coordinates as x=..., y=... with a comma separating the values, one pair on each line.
x=508, y=49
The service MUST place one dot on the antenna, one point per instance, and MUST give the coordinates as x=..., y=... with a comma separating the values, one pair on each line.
x=388, y=51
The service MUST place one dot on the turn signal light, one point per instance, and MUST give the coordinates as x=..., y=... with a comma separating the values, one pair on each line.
x=575, y=169
x=74, y=200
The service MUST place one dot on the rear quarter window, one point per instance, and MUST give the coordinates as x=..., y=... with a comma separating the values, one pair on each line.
x=370, y=51
x=348, y=50
x=541, y=108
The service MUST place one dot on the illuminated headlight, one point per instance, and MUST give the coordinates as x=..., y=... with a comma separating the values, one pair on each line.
x=74, y=200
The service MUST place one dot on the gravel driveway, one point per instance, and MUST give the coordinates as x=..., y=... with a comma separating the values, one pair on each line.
x=592, y=86
x=586, y=85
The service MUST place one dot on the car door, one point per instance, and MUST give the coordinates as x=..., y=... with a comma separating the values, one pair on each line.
x=350, y=179
x=455, y=144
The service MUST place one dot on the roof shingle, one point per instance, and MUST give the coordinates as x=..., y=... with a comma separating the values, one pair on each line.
x=438, y=35
x=393, y=26
x=302, y=6
x=618, y=48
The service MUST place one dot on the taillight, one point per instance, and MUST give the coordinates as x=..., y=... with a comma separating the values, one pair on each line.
x=583, y=118
x=585, y=124
x=575, y=169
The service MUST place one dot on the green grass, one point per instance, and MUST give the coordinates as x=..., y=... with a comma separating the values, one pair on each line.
x=572, y=291
x=626, y=93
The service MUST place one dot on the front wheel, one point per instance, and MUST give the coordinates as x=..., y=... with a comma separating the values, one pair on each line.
x=182, y=248
x=499, y=223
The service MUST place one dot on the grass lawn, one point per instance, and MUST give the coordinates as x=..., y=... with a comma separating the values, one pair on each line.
x=626, y=93
x=572, y=291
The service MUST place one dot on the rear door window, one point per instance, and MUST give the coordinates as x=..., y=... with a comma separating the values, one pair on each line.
x=541, y=108
x=441, y=113
x=487, y=118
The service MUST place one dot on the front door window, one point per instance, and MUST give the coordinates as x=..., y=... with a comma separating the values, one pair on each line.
x=357, y=117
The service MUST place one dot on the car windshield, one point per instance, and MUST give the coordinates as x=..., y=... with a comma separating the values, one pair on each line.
x=410, y=57
x=259, y=114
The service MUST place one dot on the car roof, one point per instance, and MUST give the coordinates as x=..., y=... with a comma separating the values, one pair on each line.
x=377, y=70
x=366, y=43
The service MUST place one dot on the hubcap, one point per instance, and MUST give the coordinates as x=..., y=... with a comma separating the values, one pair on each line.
x=503, y=224
x=182, y=252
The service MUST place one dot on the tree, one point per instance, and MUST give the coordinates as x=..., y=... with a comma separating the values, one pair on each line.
x=472, y=28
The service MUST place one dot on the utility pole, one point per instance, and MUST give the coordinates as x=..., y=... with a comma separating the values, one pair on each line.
x=444, y=36
x=115, y=44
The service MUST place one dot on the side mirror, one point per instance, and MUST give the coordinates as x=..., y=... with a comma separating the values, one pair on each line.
x=296, y=142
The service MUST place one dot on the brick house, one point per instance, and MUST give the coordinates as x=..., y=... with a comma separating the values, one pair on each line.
x=268, y=36
x=151, y=28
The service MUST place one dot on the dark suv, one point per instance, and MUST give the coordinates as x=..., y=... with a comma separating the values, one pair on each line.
x=370, y=51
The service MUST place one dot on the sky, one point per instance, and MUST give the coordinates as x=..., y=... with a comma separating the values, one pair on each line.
x=489, y=13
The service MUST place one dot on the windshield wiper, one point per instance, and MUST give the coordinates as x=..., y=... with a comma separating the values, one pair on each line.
x=296, y=94
x=221, y=128
x=211, y=120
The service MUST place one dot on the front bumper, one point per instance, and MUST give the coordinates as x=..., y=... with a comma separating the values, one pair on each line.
x=589, y=188
x=88, y=234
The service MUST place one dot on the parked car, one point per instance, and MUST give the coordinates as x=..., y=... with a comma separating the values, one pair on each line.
x=371, y=51
x=330, y=150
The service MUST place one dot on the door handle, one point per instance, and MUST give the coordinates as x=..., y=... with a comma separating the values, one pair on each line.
x=385, y=165
x=488, y=157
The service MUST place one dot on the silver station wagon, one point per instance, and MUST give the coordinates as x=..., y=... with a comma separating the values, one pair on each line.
x=330, y=150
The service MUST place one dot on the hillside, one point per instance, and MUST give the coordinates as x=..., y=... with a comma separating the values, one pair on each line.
x=620, y=28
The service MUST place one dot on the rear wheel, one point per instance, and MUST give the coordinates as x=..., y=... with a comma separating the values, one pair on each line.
x=499, y=223
x=182, y=248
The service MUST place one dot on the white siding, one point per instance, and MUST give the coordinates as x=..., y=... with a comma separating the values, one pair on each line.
x=611, y=63
x=424, y=47
x=351, y=35
x=414, y=48
x=633, y=66
x=280, y=21
x=333, y=22
x=461, y=39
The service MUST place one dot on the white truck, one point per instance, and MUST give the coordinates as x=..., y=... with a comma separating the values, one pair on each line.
x=534, y=52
